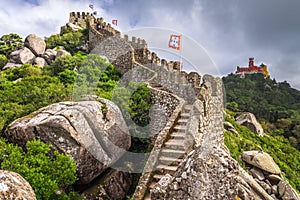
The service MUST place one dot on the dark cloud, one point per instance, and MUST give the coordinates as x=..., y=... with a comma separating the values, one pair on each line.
x=230, y=30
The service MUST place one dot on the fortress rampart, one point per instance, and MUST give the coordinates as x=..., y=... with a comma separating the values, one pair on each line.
x=123, y=51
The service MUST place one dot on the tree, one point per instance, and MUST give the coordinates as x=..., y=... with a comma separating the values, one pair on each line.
x=9, y=42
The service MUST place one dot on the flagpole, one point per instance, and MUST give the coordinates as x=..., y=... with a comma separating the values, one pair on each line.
x=181, y=51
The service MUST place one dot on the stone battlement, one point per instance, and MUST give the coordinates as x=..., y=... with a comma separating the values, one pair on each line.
x=123, y=51
x=79, y=18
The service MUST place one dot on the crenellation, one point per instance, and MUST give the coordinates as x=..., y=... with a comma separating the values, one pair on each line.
x=144, y=43
x=177, y=66
x=133, y=39
x=72, y=14
x=126, y=38
x=184, y=76
x=194, y=78
x=99, y=31
x=164, y=63
x=171, y=65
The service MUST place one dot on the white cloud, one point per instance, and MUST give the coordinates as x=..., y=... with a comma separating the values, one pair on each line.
x=43, y=19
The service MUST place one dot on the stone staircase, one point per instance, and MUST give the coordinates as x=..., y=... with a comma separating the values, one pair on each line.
x=173, y=150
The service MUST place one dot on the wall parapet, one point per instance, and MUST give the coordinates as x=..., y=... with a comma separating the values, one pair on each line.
x=145, y=179
x=137, y=48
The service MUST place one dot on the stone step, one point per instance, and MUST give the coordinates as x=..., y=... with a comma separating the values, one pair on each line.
x=167, y=169
x=169, y=160
x=187, y=108
x=182, y=121
x=178, y=135
x=158, y=176
x=172, y=153
x=180, y=128
x=185, y=115
x=175, y=144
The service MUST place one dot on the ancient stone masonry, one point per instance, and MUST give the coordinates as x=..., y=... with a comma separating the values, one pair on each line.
x=80, y=19
x=265, y=180
x=193, y=110
x=189, y=159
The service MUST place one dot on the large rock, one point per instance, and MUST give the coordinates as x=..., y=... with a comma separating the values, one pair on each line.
x=93, y=133
x=61, y=53
x=249, y=120
x=261, y=160
x=228, y=126
x=11, y=65
x=40, y=61
x=257, y=173
x=15, y=187
x=36, y=44
x=49, y=55
x=22, y=56
x=286, y=192
x=113, y=185
x=202, y=176
x=249, y=188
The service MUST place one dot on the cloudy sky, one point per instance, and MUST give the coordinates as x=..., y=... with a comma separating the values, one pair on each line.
x=229, y=31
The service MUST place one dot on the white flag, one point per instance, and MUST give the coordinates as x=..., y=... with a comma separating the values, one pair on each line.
x=174, y=42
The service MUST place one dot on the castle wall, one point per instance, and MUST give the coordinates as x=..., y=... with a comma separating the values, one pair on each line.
x=79, y=18
x=206, y=127
x=123, y=52
x=176, y=88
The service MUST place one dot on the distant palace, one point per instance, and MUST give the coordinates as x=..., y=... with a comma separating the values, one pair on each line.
x=252, y=69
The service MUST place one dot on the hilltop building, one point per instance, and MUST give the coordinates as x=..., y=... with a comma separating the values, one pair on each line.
x=252, y=69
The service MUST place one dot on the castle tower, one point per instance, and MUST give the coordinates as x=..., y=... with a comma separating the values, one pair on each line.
x=251, y=63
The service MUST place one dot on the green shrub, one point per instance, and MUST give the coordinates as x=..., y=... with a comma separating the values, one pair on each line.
x=62, y=63
x=44, y=173
x=9, y=42
x=71, y=41
x=28, y=95
x=285, y=155
x=3, y=61
x=26, y=70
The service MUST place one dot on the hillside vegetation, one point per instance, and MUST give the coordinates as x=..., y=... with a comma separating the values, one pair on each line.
x=28, y=88
x=276, y=105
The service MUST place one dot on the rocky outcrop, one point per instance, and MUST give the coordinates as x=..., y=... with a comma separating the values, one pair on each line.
x=228, y=126
x=249, y=120
x=265, y=180
x=11, y=65
x=33, y=52
x=113, y=185
x=93, y=133
x=40, y=61
x=14, y=187
x=36, y=44
x=22, y=56
x=261, y=160
x=49, y=55
x=213, y=176
x=61, y=53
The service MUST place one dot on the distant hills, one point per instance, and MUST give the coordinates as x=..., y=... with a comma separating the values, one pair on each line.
x=275, y=104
